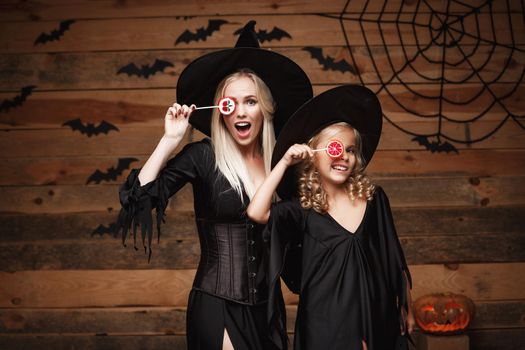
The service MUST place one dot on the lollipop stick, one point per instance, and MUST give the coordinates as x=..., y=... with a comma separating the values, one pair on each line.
x=206, y=107
x=319, y=149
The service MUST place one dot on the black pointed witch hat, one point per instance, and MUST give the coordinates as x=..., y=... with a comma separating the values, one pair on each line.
x=288, y=83
x=353, y=104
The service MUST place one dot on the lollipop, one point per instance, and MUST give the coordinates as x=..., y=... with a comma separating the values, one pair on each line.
x=334, y=149
x=226, y=106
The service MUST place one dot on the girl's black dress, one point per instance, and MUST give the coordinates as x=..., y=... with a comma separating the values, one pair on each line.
x=352, y=285
x=230, y=286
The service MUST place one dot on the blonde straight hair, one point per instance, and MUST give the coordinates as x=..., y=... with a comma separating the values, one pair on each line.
x=228, y=157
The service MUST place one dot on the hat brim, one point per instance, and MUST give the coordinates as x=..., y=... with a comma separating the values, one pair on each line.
x=288, y=83
x=353, y=104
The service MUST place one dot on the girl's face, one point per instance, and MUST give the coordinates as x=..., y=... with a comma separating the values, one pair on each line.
x=335, y=171
x=245, y=123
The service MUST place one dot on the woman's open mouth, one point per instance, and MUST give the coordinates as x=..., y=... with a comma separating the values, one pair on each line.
x=243, y=128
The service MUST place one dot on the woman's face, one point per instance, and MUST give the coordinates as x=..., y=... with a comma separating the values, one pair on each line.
x=245, y=123
x=335, y=171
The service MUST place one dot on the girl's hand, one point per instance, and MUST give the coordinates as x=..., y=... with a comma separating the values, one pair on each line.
x=176, y=120
x=409, y=320
x=297, y=153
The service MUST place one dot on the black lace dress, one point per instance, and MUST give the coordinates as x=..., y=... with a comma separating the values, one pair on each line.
x=230, y=286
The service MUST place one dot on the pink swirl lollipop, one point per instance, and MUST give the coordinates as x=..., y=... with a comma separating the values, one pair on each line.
x=334, y=149
x=226, y=106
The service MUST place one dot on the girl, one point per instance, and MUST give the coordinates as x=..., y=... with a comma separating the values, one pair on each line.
x=352, y=276
x=227, y=304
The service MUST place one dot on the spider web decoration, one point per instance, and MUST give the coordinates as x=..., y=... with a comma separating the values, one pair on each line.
x=460, y=49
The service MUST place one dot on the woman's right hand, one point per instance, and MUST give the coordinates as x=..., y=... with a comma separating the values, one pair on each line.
x=296, y=154
x=176, y=120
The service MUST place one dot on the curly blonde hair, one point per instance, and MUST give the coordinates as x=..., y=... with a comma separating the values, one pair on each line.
x=311, y=192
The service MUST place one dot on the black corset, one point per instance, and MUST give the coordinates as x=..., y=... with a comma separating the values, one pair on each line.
x=233, y=260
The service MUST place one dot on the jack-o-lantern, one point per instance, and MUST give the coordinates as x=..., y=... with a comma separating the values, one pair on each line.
x=443, y=313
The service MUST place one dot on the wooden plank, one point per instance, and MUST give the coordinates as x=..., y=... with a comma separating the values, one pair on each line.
x=13, y=10
x=169, y=320
x=98, y=341
x=85, y=288
x=95, y=288
x=467, y=162
x=403, y=192
x=108, y=253
x=141, y=140
x=109, y=321
x=99, y=70
x=64, y=171
x=463, y=249
x=62, y=199
x=50, y=109
x=508, y=339
x=180, y=225
x=149, y=33
x=105, y=254
x=78, y=170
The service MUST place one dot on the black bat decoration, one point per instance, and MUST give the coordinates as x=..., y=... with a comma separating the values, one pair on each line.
x=18, y=100
x=112, y=173
x=102, y=229
x=435, y=146
x=55, y=34
x=90, y=129
x=201, y=33
x=263, y=35
x=328, y=62
x=145, y=70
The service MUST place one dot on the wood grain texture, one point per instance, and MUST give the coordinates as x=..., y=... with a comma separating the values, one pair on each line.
x=99, y=70
x=50, y=109
x=85, y=288
x=171, y=320
x=162, y=32
x=108, y=254
x=468, y=162
x=14, y=10
x=403, y=192
x=141, y=140
x=180, y=225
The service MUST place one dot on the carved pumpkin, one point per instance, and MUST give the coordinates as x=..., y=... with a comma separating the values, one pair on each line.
x=443, y=313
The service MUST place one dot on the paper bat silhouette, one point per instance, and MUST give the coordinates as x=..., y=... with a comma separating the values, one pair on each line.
x=55, y=34
x=263, y=35
x=145, y=70
x=101, y=230
x=18, y=100
x=435, y=146
x=90, y=129
x=201, y=33
x=112, y=173
x=328, y=62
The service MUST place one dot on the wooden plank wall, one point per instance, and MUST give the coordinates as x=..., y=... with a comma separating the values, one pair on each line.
x=66, y=284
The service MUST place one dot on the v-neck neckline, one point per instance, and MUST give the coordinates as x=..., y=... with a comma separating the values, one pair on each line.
x=358, y=226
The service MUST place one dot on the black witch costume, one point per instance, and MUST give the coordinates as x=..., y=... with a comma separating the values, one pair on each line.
x=230, y=287
x=352, y=285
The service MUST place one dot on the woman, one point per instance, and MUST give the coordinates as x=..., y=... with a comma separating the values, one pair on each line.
x=227, y=304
